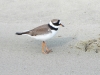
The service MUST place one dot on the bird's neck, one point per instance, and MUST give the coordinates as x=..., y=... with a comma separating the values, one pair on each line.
x=52, y=28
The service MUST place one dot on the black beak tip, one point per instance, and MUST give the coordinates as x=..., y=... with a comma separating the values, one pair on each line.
x=63, y=26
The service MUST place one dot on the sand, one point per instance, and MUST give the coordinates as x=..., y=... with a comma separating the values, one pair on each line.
x=73, y=52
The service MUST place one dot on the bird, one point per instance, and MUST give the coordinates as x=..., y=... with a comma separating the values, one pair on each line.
x=43, y=33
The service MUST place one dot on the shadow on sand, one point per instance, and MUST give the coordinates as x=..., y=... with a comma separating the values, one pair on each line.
x=59, y=41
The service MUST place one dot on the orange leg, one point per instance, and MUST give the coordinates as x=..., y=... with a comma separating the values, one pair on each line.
x=47, y=50
x=43, y=46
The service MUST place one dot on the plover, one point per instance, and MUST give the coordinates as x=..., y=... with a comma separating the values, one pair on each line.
x=44, y=32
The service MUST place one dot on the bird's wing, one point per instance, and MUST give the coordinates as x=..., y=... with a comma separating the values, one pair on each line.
x=44, y=29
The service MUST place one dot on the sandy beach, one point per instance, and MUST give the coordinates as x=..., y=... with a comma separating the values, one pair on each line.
x=76, y=47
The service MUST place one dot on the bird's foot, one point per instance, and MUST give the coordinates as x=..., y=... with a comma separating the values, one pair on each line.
x=44, y=52
x=48, y=51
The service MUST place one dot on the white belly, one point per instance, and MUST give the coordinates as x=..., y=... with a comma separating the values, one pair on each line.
x=45, y=36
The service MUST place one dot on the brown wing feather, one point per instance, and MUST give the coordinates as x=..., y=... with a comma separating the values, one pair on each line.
x=44, y=29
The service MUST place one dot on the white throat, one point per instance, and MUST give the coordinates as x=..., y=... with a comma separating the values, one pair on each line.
x=53, y=25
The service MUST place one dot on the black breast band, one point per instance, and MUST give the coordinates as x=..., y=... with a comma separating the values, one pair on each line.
x=52, y=28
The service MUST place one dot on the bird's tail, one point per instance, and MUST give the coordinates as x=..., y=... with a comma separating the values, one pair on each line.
x=20, y=33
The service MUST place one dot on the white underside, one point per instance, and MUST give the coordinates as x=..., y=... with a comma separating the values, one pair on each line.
x=45, y=36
